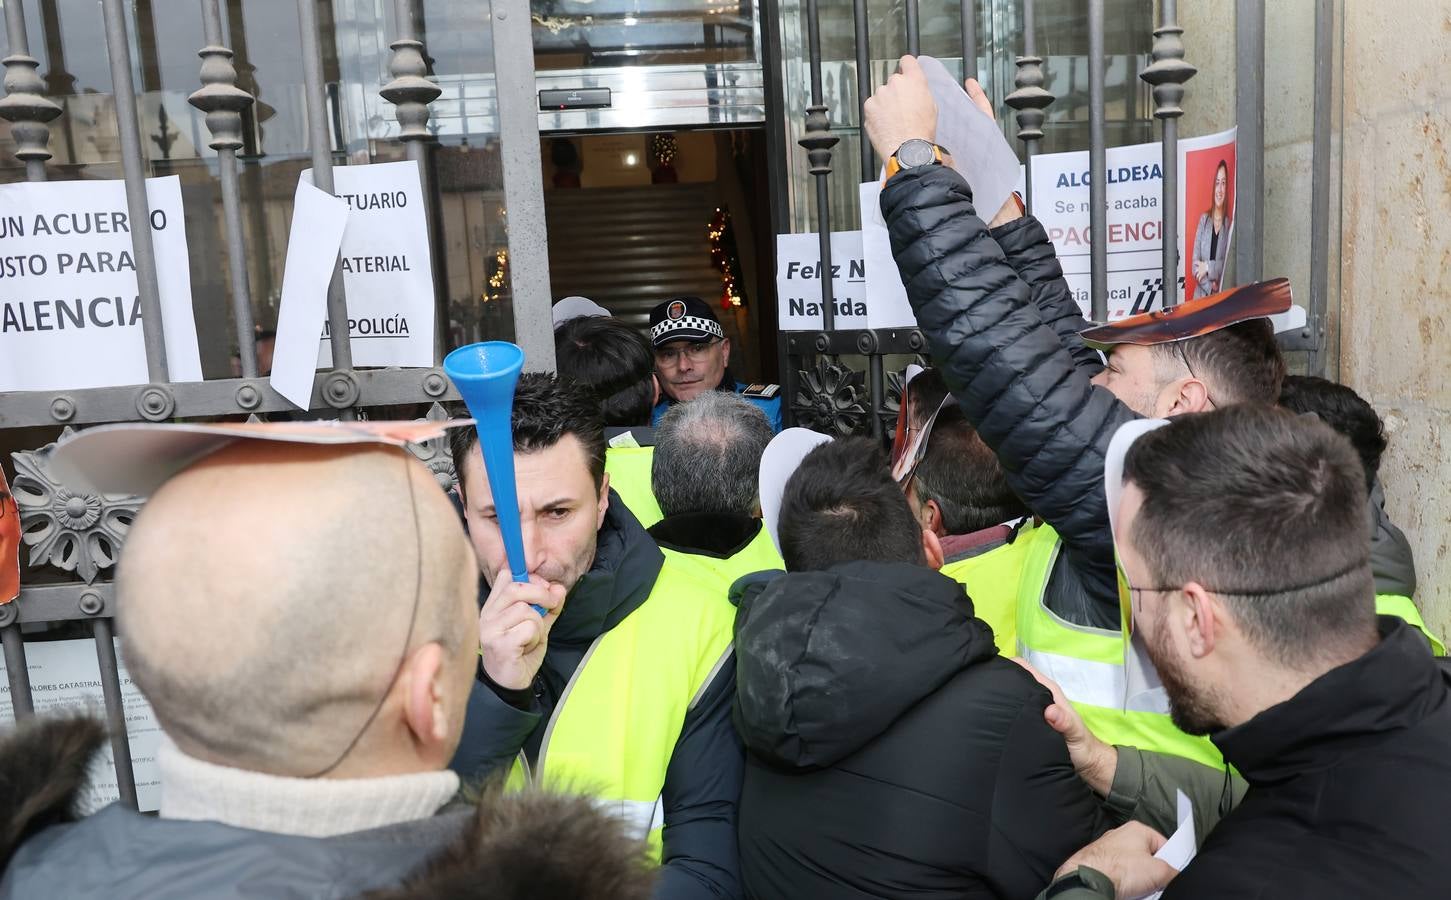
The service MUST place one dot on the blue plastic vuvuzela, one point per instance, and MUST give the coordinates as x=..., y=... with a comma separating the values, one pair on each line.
x=485, y=375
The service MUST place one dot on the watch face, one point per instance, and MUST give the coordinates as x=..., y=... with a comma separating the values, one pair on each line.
x=915, y=152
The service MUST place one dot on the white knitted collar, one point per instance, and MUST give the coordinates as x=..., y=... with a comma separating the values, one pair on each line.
x=195, y=790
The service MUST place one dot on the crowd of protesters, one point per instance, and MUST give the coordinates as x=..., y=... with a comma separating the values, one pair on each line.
x=1110, y=583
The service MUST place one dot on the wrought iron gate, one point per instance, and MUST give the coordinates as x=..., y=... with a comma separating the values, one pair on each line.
x=826, y=393
x=80, y=534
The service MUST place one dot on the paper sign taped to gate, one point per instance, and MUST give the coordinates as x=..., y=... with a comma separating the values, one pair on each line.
x=70, y=310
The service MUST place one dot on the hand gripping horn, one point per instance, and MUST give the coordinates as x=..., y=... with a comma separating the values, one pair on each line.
x=485, y=375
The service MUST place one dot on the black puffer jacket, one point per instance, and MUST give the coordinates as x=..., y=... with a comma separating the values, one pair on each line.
x=1010, y=354
x=891, y=751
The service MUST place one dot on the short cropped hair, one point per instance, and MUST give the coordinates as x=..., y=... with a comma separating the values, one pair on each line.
x=612, y=360
x=963, y=476
x=841, y=505
x=1266, y=509
x=1239, y=364
x=1342, y=409
x=546, y=409
x=708, y=455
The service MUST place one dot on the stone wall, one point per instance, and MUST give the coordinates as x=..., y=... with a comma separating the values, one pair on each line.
x=1395, y=339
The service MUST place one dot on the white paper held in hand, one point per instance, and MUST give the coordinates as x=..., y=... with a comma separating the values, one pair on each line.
x=980, y=152
x=318, y=220
x=1179, y=850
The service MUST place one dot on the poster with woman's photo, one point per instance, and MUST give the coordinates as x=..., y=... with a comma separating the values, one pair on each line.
x=1206, y=212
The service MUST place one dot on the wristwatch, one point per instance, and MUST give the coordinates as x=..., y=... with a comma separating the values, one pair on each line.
x=912, y=154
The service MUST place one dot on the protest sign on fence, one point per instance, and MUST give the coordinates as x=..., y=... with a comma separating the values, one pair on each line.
x=387, y=267
x=70, y=311
x=798, y=281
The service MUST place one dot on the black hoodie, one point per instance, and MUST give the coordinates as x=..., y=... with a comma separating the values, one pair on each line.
x=891, y=751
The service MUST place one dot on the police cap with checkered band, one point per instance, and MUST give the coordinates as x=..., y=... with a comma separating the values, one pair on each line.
x=684, y=319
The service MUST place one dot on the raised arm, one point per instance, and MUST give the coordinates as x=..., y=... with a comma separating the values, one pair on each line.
x=1033, y=257
x=1009, y=370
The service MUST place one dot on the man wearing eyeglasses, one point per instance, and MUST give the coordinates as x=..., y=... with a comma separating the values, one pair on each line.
x=692, y=355
x=1246, y=574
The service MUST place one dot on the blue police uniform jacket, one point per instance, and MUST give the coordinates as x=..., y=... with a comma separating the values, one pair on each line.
x=771, y=406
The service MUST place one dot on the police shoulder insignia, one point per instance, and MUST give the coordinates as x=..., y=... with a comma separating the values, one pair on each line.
x=761, y=391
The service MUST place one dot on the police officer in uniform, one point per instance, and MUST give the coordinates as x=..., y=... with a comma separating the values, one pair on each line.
x=691, y=356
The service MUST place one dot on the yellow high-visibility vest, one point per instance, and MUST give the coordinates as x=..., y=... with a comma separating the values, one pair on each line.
x=1088, y=664
x=629, y=471
x=615, y=727
x=1403, y=607
x=757, y=556
x=992, y=580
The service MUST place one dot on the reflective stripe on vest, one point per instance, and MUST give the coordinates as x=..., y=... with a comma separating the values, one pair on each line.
x=615, y=727
x=992, y=580
x=629, y=471
x=1403, y=607
x=1088, y=664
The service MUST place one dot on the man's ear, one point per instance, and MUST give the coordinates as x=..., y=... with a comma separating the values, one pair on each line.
x=1199, y=617
x=1187, y=395
x=932, y=548
x=932, y=518
x=655, y=384
x=603, y=502
x=425, y=706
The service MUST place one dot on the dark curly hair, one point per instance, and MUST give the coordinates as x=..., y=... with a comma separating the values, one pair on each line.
x=546, y=409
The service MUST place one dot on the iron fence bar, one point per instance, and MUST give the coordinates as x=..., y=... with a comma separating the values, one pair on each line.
x=523, y=182
x=224, y=102
x=969, y=39
x=778, y=179
x=218, y=397
x=1030, y=40
x=1249, y=111
x=886, y=341
x=105, y=634
x=69, y=602
x=341, y=386
x=914, y=29
x=877, y=382
x=16, y=671
x=25, y=105
x=1167, y=74
x=410, y=91
x=1029, y=98
x=133, y=166
x=863, y=84
x=818, y=142
x=1320, y=185
x=1097, y=167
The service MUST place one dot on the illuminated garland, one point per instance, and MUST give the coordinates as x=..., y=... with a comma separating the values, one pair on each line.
x=664, y=148
x=723, y=256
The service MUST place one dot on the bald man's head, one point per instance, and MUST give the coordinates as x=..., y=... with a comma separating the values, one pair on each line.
x=265, y=596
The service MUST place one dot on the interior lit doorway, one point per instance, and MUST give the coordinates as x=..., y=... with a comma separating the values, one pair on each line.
x=635, y=218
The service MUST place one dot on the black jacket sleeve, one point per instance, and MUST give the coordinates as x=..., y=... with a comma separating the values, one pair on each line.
x=1033, y=257
x=1042, y=811
x=702, y=791
x=494, y=733
x=1008, y=369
